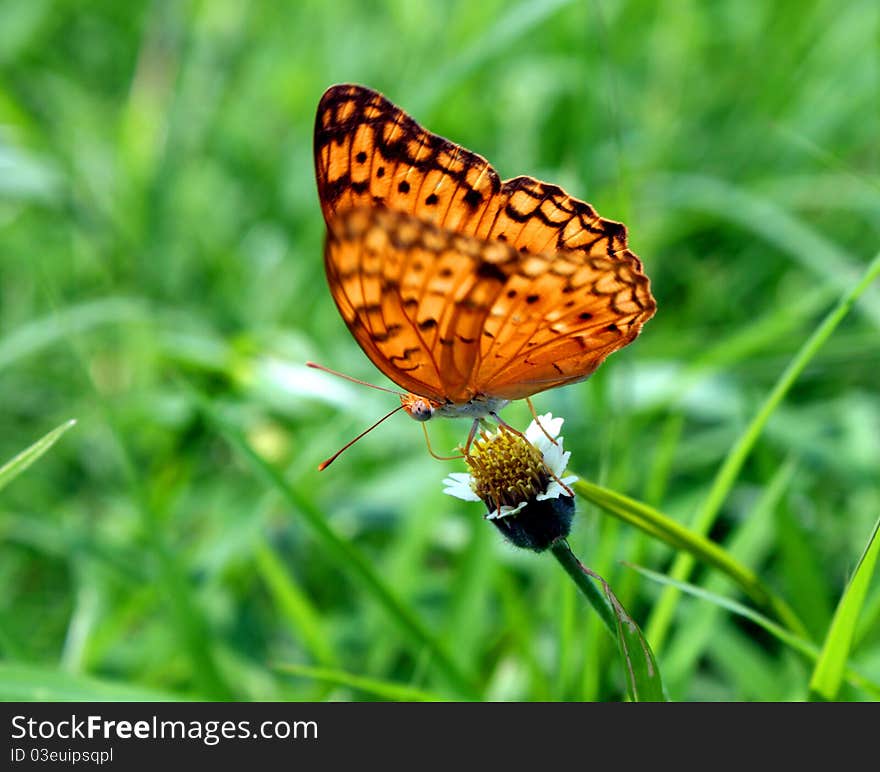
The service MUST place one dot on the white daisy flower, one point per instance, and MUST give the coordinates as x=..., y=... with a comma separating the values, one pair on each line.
x=508, y=473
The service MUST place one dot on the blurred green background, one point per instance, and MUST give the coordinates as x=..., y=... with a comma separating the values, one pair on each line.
x=161, y=281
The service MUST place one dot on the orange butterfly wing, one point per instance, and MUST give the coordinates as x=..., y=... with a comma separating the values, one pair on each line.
x=392, y=277
x=453, y=283
x=369, y=152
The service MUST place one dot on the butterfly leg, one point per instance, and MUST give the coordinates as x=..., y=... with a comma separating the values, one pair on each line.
x=502, y=422
x=523, y=436
x=538, y=420
x=434, y=455
x=473, y=433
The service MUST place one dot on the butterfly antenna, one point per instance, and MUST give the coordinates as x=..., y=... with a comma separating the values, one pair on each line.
x=324, y=464
x=316, y=366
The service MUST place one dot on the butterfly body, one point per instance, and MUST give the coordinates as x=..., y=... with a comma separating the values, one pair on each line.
x=423, y=409
x=464, y=290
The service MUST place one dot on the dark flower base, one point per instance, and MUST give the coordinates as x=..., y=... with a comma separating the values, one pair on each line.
x=538, y=524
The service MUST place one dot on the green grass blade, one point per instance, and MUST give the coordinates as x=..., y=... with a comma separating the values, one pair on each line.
x=643, y=680
x=794, y=641
x=516, y=23
x=348, y=557
x=817, y=254
x=830, y=667
x=658, y=525
x=661, y=617
x=61, y=324
x=751, y=541
x=296, y=608
x=386, y=690
x=15, y=466
x=171, y=578
x=32, y=683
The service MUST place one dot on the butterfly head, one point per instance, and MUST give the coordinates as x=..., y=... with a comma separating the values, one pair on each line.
x=418, y=408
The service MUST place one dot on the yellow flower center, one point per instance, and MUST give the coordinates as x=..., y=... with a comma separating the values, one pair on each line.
x=507, y=469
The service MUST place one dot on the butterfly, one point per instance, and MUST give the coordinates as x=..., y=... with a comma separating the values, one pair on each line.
x=466, y=291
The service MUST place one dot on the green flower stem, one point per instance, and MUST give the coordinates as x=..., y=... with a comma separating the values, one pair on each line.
x=582, y=577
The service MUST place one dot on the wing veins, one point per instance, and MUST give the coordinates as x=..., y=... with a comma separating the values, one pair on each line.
x=429, y=349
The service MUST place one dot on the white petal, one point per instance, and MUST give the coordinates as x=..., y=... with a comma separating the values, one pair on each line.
x=533, y=432
x=506, y=511
x=465, y=494
x=458, y=484
x=552, y=425
x=542, y=442
x=555, y=458
x=560, y=462
x=554, y=491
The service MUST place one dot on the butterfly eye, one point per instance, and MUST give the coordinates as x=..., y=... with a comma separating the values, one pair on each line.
x=417, y=408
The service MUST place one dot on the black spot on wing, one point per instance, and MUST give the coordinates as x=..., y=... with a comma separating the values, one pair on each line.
x=390, y=332
x=473, y=198
x=486, y=270
x=407, y=352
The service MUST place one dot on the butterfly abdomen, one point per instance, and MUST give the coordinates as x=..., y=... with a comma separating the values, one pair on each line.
x=478, y=407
